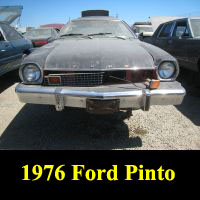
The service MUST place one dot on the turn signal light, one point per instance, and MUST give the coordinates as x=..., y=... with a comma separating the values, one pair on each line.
x=54, y=80
x=153, y=84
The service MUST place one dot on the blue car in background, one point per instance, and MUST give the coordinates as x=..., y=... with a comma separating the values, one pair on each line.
x=12, y=44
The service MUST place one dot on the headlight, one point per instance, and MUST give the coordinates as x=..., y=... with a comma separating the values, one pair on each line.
x=31, y=73
x=167, y=70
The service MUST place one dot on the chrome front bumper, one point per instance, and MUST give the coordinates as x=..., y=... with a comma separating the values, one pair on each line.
x=129, y=96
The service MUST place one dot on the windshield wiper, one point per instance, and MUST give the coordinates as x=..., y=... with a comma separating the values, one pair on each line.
x=72, y=34
x=119, y=37
x=99, y=34
x=76, y=34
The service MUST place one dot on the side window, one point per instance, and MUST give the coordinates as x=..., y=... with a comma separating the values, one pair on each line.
x=53, y=33
x=1, y=36
x=165, y=32
x=157, y=31
x=10, y=33
x=180, y=29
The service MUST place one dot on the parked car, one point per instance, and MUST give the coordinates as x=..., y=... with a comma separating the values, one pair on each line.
x=41, y=36
x=144, y=29
x=181, y=38
x=12, y=44
x=98, y=64
x=57, y=27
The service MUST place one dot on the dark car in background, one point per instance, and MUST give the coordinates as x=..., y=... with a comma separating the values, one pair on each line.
x=12, y=44
x=181, y=38
x=41, y=36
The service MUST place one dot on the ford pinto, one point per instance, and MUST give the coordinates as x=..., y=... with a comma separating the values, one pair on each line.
x=98, y=64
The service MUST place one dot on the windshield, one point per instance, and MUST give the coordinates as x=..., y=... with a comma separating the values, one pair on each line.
x=38, y=32
x=10, y=13
x=90, y=27
x=195, y=23
x=144, y=29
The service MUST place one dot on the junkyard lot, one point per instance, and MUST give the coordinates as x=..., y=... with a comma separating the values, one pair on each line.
x=24, y=126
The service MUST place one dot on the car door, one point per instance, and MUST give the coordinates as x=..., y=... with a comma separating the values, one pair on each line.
x=163, y=37
x=193, y=51
x=7, y=53
x=16, y=39
x=178, y=43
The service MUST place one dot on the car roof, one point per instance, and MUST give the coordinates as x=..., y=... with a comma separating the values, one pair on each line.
x=96, y=18
x=197, y=17
x=184, y=18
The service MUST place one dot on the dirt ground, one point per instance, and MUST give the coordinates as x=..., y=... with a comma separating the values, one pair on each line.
x=24, y=126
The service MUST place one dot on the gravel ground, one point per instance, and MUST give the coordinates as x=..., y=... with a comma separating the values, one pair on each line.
x=24, y=126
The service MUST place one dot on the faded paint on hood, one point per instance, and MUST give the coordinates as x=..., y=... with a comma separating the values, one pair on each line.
x=76, y=54
x=98, y=54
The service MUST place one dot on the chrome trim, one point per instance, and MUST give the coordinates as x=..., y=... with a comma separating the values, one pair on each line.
x=59, y=100
x=38, y=82
x=191, y=32
x=99, y=70
x=68, y=74
x=147, y=100
x=171, y=93
x=175, y=74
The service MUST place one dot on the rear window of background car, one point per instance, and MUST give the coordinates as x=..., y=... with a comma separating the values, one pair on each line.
x=180, y=29
x=1, y=37
x=10, y=33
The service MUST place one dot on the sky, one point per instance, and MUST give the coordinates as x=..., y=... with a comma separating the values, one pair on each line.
x=38, y=12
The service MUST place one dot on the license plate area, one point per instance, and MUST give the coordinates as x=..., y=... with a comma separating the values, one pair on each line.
x=98, y=106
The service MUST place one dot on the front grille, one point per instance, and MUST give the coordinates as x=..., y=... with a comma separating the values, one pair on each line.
x=78, y=79
x=96, y=78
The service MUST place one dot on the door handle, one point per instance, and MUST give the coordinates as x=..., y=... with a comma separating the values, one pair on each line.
x=3, y=50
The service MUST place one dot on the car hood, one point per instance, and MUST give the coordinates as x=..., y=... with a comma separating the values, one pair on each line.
x=10, y=13
x=97, y=54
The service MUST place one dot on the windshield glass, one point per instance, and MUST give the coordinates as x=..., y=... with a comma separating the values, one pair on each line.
x=90, y=27
x=38, y=32
x=144, y=29
x=195, y=23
